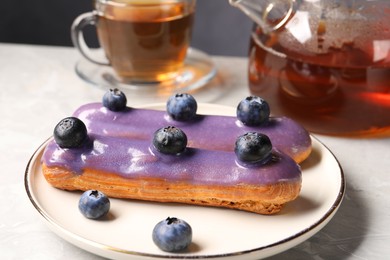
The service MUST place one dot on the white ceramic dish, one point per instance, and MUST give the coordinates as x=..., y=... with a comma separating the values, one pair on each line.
x=217, y=233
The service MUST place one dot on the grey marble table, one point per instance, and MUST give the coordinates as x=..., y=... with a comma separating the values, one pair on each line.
x=38, y=87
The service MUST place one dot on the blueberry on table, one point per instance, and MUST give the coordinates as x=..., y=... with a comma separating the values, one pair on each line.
x=94, y=204
x=182, y=107
x=170, y=140
x=114, y=100
x=70, y=132
x=253, y=111
x=253, y=147
x=172, y=235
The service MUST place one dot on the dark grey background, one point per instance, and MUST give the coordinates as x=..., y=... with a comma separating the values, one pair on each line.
x=219, y=28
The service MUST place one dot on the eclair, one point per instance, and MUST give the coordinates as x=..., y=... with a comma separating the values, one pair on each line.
x=209, y=132
x=131, y=168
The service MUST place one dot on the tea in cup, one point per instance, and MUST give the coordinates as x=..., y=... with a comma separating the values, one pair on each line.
x=143, y=40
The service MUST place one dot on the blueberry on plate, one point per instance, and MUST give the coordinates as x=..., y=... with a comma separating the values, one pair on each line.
x=253, y=111
x=172, y=235
x=94, y=204
x=70, y=132
x=253, y=147
x=114, y=100
x=182, y=107
x=170, y=140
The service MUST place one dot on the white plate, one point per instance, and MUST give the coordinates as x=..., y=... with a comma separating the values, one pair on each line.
x=217, y=233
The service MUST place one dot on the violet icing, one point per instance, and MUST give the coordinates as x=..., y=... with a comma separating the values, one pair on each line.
x=134, y=158
x=205, y=131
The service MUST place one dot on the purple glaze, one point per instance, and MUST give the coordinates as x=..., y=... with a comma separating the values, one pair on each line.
x=205, y=132
x=132, y=158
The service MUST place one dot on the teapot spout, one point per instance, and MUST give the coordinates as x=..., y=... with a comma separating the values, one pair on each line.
x=270, y=15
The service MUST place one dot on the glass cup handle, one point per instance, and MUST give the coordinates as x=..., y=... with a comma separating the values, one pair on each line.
x=78, y=40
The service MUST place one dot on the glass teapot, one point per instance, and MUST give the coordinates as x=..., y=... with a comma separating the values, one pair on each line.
x=325, y=63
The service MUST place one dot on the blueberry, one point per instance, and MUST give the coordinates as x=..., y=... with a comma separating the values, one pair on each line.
x=94, y=204
x=114, y=100
x=182, y=107
x=253, y=111
x=172, y=235
x=70, y=132
x=170, y=140
x=253, y=147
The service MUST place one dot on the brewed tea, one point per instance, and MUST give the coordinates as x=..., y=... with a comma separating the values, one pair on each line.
x=146, y=43
x=343, y=91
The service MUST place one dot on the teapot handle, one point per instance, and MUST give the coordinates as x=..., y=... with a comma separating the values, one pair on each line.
x=270, y=15
x=256, y=39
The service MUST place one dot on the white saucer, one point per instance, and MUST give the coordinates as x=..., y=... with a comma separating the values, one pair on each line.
x=197, y=71
x=217, y=233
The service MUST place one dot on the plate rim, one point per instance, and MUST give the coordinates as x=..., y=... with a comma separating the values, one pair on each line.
x=326, y=217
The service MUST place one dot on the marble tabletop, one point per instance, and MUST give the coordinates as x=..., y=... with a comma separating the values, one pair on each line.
x=39, y=87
